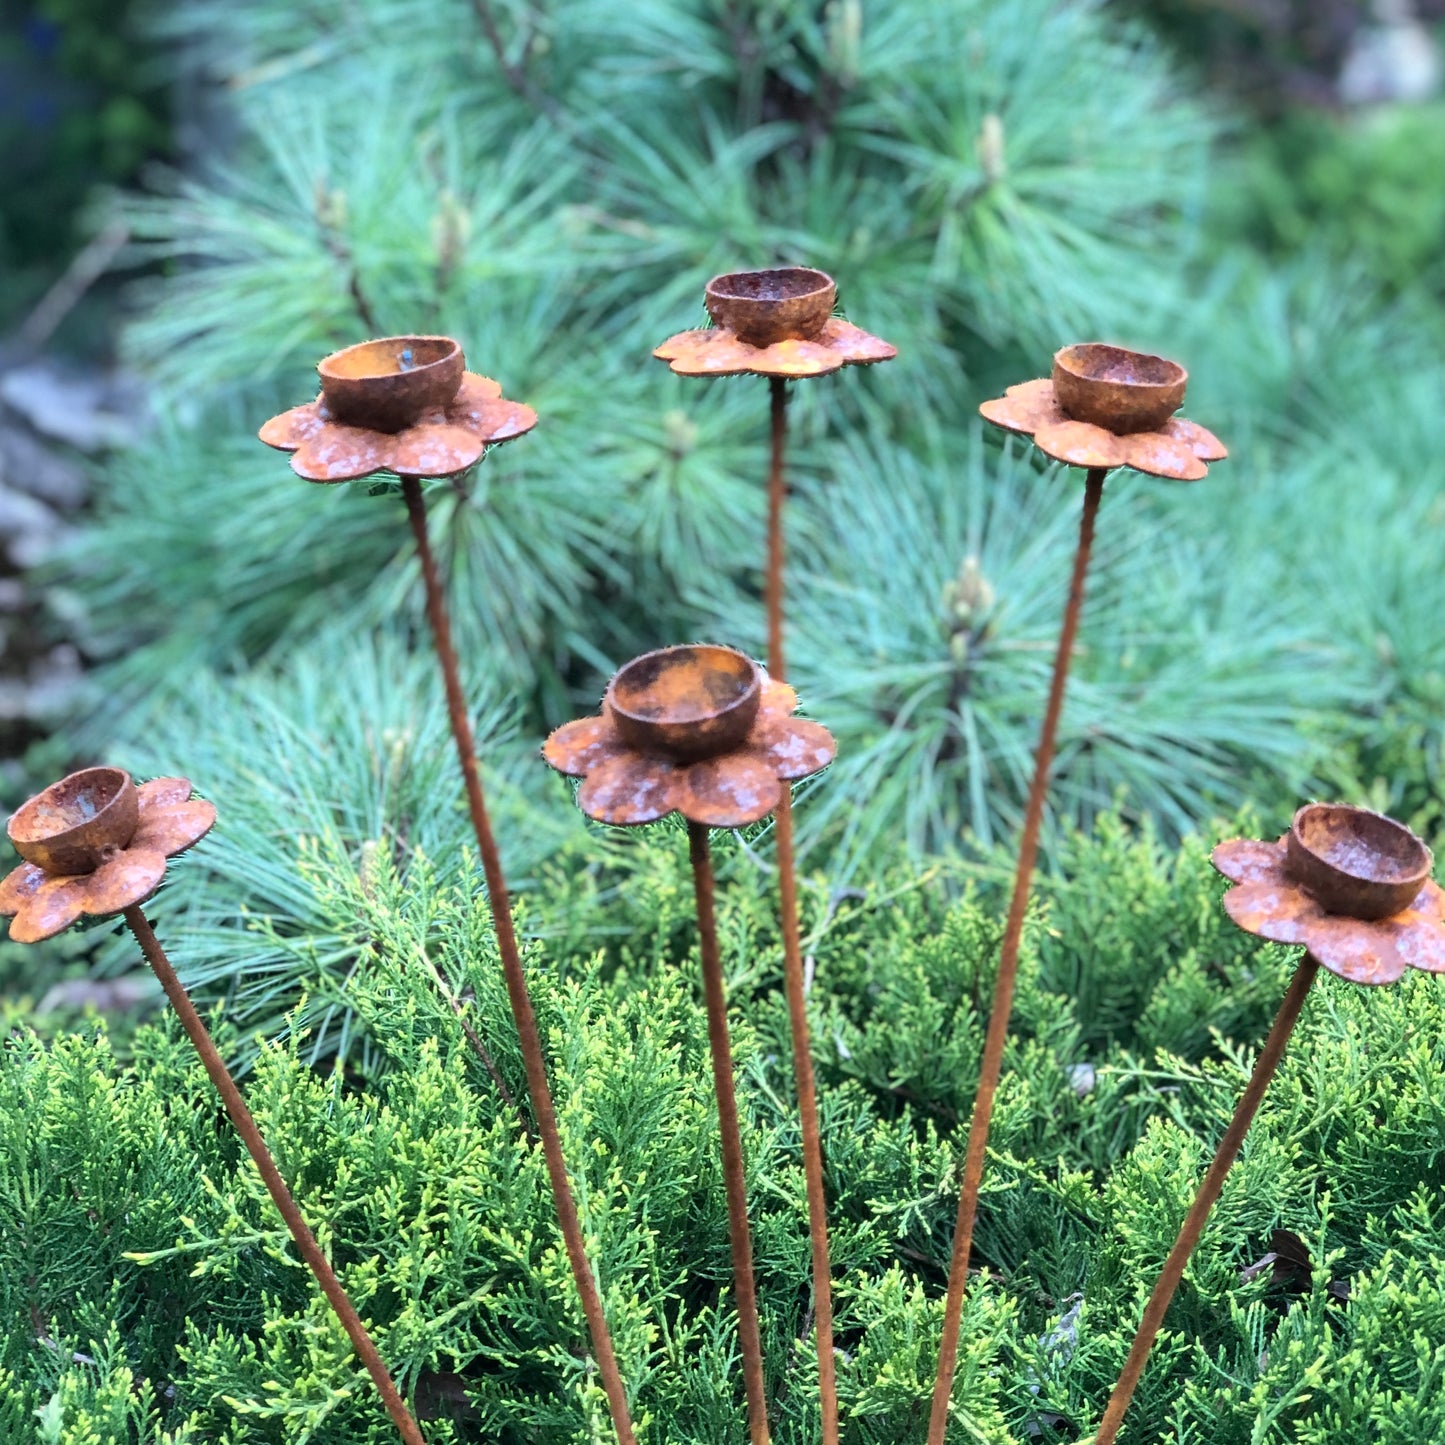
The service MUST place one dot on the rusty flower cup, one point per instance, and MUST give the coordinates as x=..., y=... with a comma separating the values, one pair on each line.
x=1105, y=407
x=761, y=307
x=686, y=703
x=77, y=823
x=387, y=384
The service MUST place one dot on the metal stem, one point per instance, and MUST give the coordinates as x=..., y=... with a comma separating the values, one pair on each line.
x=732, y=1145
x=310, y=1251
x=1193, y=1226
x=1003, y=992
x=516, y=979
x=793, y=953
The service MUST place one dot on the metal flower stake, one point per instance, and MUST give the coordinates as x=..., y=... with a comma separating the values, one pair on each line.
x=1354, y=888
x=705, y=732
x=407, y=405
x=1103, y=407
x=96, y=844
x=779, y=323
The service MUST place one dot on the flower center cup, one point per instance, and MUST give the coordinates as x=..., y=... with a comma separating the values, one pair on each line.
x=386, y=385
x=1355, y=862
x=762, y=307
x=1122, y=391
x=75, y=824
x=686, y=703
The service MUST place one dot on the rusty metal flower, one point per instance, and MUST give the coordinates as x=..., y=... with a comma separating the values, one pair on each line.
x=777, y=322
x=403, y=404
x=1105, y=407
x=701, y=731
x=1352, y=886
x=95, y=843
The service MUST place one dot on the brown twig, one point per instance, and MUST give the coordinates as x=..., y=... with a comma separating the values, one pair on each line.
x=992, y=1062
x=515, y=75
x=734, y=1180
x=792, y=948
x=514, y=975
x=310, y=1251
x=1193, y=1226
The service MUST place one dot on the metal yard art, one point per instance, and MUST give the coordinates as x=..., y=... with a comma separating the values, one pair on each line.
x=96, y=844
x=779, y=323
x=705, y=732
x=407, y=405
x=1102, y=408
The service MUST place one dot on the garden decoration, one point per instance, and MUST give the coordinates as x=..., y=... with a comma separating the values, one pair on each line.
x=780, y=324
x=1103, y=407
x=705, y=732
x=407, y=405
x=1354, y=888
x=95, y=844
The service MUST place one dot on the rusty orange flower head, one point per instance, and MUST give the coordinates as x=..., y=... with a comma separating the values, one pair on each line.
x=95, y=843
x=1353, y=886
x=1105, y=407
x=701, y=731
x=403, y=404
x=778, y=322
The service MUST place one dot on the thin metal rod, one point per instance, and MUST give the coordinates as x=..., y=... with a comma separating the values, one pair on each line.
x=1003, y=992
x=310, y=1251
x=1193, y=1226
x=516, y=979
x=793, y=952
x=734, y=1180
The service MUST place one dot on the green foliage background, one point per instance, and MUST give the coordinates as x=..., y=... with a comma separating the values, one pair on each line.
x=554, y=184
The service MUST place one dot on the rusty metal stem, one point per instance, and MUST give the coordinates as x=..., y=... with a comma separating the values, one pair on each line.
x=1193, y=1226
x=1003, y=992
x=734, y=1179
x=516, y=979
x=793, y=953
x=310, y=1251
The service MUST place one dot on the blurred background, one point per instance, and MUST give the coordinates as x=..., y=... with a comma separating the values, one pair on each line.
x=198, y=200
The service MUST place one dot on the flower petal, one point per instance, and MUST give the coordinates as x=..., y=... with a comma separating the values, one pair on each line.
x=1356, y=949
x=856, y=346
x=1250, y=860
x=435, y=451
x=1081, y=444
x=683, y=342
x=287, y=431
x=131, y=876
x=1025, y=407
x=173, y=828
x=1430, y=901
x=500, y=421
x=1419, y=940
x=1200, y=440
x=1163, y=456
x=712, y=352
x=19, y=885
x=793, y=747
x=730, y=791
x=162, y=792
x=343, y=454
x=630, y=789
x=576, y=748
x=474, y=391
x=51, y=909
x=795, y=358
x=1279, y=912
x=778, y=699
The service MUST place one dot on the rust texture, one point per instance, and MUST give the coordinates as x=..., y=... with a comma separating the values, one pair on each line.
x=404, y=405
x=515, y=977
x=680, y=750
x=991, y=1065
x=1325, y=883
x=1194, y=1221
x=734, y=1176
x=1105, y=407
x=255, y=1144
x=95, y=844
x=775, y=323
